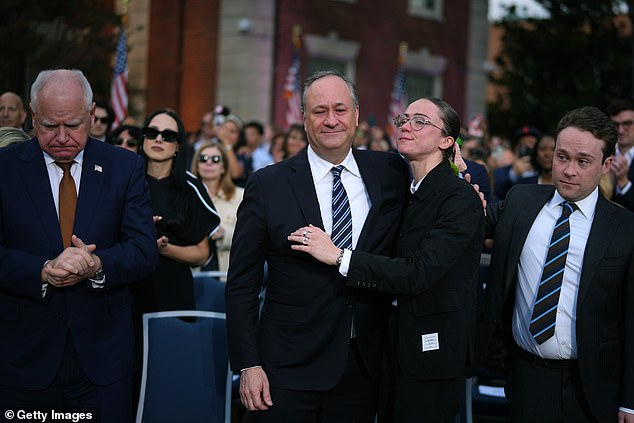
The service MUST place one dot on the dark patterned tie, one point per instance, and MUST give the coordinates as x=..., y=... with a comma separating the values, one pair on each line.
x=542, y=325
x=67, y=203
x=341, y=215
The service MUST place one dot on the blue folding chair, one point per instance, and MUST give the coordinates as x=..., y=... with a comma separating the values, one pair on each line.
x=186, y=375
x=209, y=292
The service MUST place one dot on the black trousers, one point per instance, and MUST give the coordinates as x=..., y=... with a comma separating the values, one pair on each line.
x=546, y=391
x=72, y=392
x=352, y=400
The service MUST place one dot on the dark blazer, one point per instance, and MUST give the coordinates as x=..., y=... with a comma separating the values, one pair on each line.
x=434, y=275
x=605, y=322
x=480, y=176
x=627, y=199
x=303, y=334
x=502, y=182
x=112, y=212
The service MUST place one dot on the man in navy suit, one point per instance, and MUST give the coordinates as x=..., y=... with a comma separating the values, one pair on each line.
x=574, y=357
x=65, y=317
x=314, y=352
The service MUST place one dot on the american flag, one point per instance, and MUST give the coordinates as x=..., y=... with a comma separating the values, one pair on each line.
x=119, y=86
x=398, y=103
x=292, y=87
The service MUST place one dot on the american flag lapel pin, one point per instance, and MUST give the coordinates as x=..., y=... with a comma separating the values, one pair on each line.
x=98, y=168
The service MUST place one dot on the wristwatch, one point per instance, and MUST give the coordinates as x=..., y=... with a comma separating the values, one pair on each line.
x=99, y=275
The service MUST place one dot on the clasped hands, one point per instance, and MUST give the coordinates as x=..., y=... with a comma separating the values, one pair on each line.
x=74, y=264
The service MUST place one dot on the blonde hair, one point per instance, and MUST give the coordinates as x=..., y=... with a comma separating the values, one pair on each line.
x=226, y=185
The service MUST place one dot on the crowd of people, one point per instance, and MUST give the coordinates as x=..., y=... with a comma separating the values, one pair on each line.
x=368, y=252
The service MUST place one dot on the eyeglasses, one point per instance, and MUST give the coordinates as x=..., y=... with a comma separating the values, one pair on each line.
x=417, y=122
x=626, y=124
x=105, y=120
x=205, y=158
x=129, y=142
x=167, y=135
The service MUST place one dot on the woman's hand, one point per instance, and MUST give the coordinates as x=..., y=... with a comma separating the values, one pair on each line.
x=312, y=240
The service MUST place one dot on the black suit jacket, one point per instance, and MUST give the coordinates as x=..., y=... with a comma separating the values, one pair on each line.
x=605, y=321
x=435, y=275
x=302, y=336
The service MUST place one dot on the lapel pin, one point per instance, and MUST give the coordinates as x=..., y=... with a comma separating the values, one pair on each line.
x=98, y=169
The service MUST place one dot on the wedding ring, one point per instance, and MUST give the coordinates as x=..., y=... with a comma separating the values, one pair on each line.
x=305, y=241
x=306, y=233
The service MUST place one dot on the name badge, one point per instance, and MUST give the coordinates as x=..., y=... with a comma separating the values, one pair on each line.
x=430, y=342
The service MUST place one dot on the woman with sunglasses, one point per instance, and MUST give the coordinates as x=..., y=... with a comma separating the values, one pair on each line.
x=210, y=164
x=126, y=136
x=184, y=216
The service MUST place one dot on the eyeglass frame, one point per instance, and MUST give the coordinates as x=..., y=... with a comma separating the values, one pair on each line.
x=130, y=142
x=425, y=122
x=166, y=134
x=215, y=158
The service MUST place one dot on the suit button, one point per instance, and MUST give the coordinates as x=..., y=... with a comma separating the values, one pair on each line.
x=348, y=304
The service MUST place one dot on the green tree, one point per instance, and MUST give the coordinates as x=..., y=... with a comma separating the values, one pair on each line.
x=581, y=55
x=37, y=35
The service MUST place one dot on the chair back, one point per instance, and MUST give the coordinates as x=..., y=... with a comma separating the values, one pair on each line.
x=186, y=375
x=209, y=292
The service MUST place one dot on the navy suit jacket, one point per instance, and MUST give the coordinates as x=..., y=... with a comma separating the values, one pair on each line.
x=302, y=336
x=605, y=321
x=502, y=182
x=113, y=212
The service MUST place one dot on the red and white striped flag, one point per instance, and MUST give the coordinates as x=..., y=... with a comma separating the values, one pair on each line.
x=398, y=103
x=119, y=86
x=292, y=87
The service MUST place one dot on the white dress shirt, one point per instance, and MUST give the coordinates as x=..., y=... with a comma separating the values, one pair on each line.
x=358, y=197
x=563, y=344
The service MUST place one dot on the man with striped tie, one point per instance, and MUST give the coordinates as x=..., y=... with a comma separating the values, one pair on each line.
x=562, y=285
x=313, y=353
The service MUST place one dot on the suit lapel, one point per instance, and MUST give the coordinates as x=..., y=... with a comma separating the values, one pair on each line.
x=303, y=187
x=370, y=176
x=36, y=182
x=94, y=170
x=602, y=231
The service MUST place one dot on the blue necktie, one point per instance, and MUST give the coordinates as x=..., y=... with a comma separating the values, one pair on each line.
x=542, y=325
x=341, y=215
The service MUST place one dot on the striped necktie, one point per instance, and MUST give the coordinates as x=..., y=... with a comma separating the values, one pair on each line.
x=67, y=203
x=542, y=325
x=341, y=214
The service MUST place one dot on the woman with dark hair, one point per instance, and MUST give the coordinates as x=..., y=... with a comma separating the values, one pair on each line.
x=126, y=136
x=295, y=141
x=434, y=274
x=542, y=159
x=184, y=216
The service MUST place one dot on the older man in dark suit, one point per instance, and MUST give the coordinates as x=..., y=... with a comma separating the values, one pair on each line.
x=314, y=353
x=75, y=228
x=562, y=285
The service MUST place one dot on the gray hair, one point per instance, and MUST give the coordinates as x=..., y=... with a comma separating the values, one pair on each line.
x=322, y=74
x=44, y=76
x=10, y=135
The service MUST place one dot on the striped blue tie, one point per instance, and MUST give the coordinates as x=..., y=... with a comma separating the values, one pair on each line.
x=542, y=325
x=341, y=215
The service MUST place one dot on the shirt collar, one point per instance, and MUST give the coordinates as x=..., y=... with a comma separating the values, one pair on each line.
x=320, y=167
x=586, y=206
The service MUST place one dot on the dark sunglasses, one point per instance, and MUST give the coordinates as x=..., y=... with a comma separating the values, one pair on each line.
x=167, y=135
x=130, y=142
x=205, y=158
x=104, y=120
